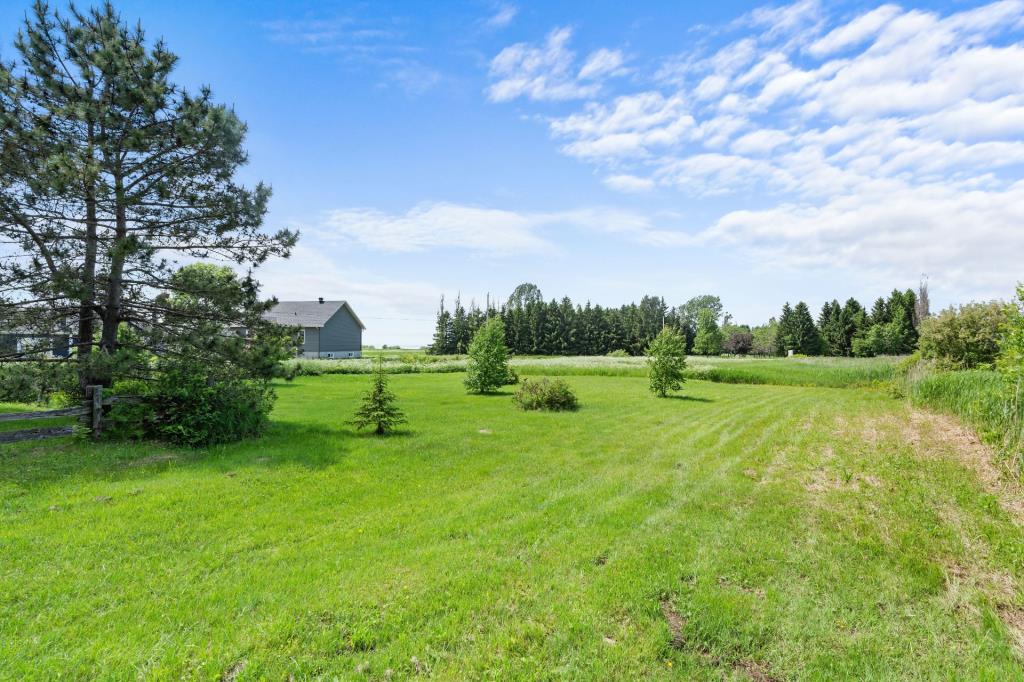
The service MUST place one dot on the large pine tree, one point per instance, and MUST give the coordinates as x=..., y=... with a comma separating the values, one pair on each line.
x=113, y=175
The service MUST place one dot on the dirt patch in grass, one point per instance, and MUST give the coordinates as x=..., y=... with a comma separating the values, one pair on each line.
x=675, y=623
x=935, y=433
x=232, y=673
x=754, y=670
x=1013, y=618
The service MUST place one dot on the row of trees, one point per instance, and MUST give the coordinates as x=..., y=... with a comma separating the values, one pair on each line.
x=534, y=326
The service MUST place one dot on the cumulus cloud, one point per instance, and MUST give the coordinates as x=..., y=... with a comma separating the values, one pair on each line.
x=860, y=134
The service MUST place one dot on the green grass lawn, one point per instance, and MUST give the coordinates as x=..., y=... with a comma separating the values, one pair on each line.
x=734, y=532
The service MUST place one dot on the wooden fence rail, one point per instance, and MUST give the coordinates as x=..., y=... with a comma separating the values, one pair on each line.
x=90, y=414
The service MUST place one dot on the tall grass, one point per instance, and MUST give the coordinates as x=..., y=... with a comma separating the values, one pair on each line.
x=828, y=372
x=981, y=398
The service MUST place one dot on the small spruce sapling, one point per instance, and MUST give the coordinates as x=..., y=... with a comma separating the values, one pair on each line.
x=666, y=358
x=378, y=408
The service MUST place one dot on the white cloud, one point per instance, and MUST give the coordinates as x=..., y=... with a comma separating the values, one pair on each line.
x=890, y=140
x=629, y=183
x=855, y=32
x=601, y=63
x=492, y=231
x=503, y=17
x=546, y=72
x=428, y=225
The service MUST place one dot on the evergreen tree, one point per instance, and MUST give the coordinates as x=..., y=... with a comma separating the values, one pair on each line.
x=854, y=322
x=443, y=343
x=461, y=333
x=488, y=367
x=879, y=311
x=830, y=327
x=378, y=409
x=112, y=175
x=805, y=335
x=708, y=337
x=666, y=360
x=785, y=335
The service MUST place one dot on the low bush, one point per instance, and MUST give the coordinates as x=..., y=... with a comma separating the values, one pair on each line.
x=182, y=406
x=545, y=394
x=618, y=353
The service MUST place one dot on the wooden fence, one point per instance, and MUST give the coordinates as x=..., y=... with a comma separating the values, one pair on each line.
x=90, y=415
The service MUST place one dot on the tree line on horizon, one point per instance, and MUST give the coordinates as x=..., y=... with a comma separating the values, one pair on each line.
x=534, y=326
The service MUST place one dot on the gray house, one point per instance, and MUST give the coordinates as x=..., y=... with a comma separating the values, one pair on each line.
x=330, y=329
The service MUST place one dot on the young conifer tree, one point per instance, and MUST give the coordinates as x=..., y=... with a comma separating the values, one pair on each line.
x=378, y=409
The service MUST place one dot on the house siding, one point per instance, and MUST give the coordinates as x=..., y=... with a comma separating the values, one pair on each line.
x=341, y=335
x=312, y=344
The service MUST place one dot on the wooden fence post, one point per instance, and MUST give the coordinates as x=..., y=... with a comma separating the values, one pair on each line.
x=97, y=410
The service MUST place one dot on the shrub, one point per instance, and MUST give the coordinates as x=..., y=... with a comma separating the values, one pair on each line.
x=618, y=353
x=488, y=359
x=545, y=394
x=36, y=382
x=667, y=360
x=184, y=407
x=379, y=409
x=964, y=337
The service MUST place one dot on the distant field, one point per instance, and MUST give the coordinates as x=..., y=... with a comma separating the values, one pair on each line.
x=835, y=372
x=734, y=532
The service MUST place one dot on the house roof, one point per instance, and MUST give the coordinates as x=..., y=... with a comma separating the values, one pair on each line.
x=308, y=313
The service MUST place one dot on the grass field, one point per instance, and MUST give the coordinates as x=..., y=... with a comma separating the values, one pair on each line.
x=737, y=531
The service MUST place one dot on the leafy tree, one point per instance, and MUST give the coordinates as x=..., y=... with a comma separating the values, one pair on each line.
x=965, y=337
x=708, y=338
x=666, y=359
x=764, y=338
x=525, y=294
x=378, y=409
x=488, y=359
x=110, y=174
x=688, y=313
x=739, y=342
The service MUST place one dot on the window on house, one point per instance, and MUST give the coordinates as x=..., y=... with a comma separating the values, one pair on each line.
x=300, y=338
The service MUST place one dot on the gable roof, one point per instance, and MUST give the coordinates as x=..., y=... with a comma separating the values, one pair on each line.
x=308, y=313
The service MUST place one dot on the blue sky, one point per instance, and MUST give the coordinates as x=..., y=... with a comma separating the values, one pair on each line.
x=609, y=150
